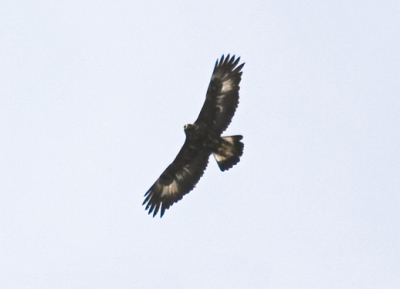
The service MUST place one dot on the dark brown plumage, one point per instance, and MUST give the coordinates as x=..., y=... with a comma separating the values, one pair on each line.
x=203, y=138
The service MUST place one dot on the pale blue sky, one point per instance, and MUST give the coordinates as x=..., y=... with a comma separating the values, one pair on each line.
x=93, y=99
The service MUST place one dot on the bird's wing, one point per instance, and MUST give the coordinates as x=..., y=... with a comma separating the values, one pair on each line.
x=222, y=95
x=178, y=179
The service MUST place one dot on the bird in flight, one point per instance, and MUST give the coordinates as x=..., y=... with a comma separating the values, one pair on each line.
x=203, y=138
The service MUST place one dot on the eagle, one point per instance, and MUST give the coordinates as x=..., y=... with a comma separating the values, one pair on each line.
x=203, y=138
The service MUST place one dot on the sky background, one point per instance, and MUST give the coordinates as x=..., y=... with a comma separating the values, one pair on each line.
x=93, y=99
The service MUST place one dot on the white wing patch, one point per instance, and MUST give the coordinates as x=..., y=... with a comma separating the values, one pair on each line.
x=171, y=189
x=220, y=102
x=220, y=107
x=227, y=85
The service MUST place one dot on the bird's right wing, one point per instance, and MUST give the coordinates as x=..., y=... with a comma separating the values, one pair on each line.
x=222, y=95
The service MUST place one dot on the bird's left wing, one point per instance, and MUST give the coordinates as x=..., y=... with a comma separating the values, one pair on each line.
x=177, y=180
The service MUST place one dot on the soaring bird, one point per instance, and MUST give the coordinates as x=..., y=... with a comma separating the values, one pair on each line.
x=203, y=138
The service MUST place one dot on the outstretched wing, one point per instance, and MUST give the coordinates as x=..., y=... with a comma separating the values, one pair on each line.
x=222, y=95
x=178, y=179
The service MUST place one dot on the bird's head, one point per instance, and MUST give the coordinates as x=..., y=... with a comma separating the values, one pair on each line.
x=189, y=128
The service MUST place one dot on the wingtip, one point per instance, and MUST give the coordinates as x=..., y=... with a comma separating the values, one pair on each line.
x=221, y=61
x=236, y=61
x=228, y=59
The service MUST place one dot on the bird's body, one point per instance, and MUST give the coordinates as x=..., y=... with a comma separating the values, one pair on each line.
x=203, y=138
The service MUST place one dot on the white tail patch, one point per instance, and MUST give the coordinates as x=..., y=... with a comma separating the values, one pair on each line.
x=229, y=139
x=225, y=151
x=219, y=158
x=229, y=152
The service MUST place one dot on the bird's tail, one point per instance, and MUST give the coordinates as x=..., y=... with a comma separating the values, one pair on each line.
x=229, y=152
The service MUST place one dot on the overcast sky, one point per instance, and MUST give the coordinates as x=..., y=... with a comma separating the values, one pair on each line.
x=93, y=99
